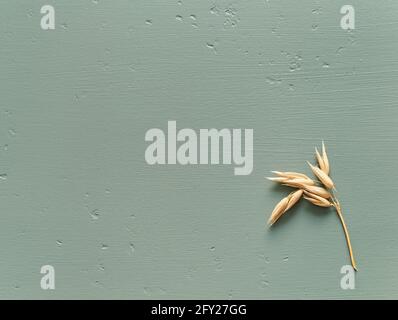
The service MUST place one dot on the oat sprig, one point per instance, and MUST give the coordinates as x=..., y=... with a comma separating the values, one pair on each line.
x=319, y=193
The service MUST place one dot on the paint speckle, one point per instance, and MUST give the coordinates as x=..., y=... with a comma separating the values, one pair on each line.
x=212, y=46
x=132, y=247
x=339, y=50
x=218, y=263
x=214, y=10
x=272, y=81
x=317, y=10
x=95, y=214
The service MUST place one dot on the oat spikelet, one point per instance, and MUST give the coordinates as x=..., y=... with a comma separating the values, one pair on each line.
x=299, y=183
x=278, y=210
x=291, y=175
x=278, y=179
x=294, y=198
x=284, y=205
x=322, y=176
x=325, y=159
x=317, y=200
x=292, y=179
x=320, y=160
x=322, y=192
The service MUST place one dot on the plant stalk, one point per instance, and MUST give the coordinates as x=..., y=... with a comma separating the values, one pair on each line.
x=347, y=236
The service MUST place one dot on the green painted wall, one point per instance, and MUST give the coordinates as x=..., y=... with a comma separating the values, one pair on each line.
x=76, y=192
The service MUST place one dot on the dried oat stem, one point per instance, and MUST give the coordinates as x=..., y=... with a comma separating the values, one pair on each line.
x=337, y=206
x=319, y=193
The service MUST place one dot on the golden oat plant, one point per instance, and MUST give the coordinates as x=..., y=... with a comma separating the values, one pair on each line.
x=320, y=192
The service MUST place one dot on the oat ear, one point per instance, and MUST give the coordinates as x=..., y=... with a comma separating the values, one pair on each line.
x=311, y=192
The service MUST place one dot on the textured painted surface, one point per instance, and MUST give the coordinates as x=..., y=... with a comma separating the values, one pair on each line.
x=76, y=192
